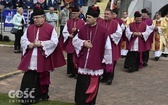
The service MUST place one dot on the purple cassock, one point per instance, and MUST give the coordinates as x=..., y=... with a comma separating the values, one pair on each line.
x=71, y=23
x=92, y=61
x=137, y=43
x=98, y=40
x=137, y=27
x=115, y=32
x=99, y=20
x=119, y=20
x=55, y=59
x=148, y=44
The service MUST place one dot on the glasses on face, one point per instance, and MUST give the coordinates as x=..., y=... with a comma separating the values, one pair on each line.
x=74, y=13
x=37, y=17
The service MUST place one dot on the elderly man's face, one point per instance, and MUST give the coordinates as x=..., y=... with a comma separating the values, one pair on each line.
x=107, y=15
x=51, y=10
x=39, y=20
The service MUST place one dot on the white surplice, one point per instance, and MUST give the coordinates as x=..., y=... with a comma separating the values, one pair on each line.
x=116, y=37
x=145, y=36
x=78, y=44
x=48, y=46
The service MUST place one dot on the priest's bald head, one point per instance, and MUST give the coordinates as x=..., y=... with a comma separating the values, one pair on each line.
x=92, y=15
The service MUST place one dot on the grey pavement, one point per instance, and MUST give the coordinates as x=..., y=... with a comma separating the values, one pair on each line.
x=149, y=86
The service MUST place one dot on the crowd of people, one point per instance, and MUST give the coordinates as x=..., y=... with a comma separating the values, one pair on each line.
x=93, y=46
x=29, y=4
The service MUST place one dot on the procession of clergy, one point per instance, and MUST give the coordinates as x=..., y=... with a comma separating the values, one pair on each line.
x=131, y=38
x=92, y=48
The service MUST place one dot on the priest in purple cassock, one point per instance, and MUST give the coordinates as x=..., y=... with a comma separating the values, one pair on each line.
x=137, y=34
x=148, y=43
x=41, y=54
x=121, y=23
x=94, y=52
x=71, y=28
x=115, y=33
x=115, y=17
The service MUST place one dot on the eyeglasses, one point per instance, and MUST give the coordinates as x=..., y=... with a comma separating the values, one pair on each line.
x=37, y=17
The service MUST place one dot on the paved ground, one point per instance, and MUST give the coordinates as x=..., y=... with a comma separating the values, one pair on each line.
x=148, y=86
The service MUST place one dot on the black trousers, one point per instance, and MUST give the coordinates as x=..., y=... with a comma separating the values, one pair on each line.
x=31, y=84
x=30, y=81
x=132, y=61
x=145, y=56
x=61, y=29
x=82, y=84
x=70, y=64
x=61, y=38
x=18, y=36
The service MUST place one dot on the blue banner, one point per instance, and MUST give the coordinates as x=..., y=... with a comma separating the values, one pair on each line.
x=8, y=15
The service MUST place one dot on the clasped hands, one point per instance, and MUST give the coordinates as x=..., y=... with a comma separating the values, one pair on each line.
x=137, y=33
x=156, y=28
x=71, y=35
x=73, y=31
x=88, y=44
x=36, y=43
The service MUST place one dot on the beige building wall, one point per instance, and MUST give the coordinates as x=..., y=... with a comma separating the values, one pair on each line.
x=152, y=5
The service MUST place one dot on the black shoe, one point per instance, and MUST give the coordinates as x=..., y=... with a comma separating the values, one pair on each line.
x=71, y=76
x=103, y=80
x=109, y=82
x=136, y=70
x=15, y=51
x=156, y=58
x=42, y=97
x=126, y=67
x=76, y=76
x=145, y=64
x=164, y=55
x=19, y=51
x=45, y=97
x=130, y=71
x=88, y=104
x=123, y=56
